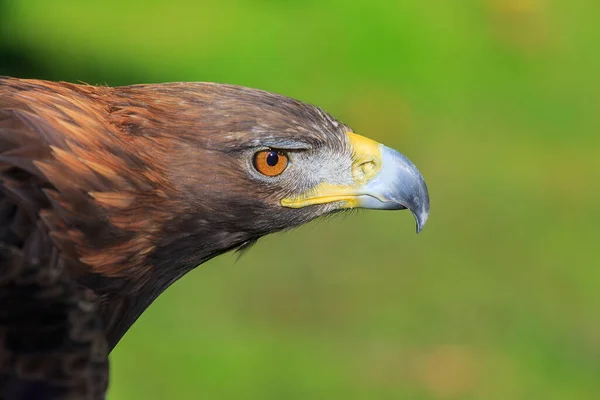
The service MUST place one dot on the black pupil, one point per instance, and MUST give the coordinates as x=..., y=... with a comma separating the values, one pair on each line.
x=272, y=158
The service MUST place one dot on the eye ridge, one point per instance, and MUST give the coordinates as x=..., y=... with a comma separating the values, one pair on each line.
x=270, y=162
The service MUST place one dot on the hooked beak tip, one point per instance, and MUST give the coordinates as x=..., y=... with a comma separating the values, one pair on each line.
x=421, y=218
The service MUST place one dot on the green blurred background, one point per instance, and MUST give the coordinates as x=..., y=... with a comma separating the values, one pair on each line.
x=496, y=101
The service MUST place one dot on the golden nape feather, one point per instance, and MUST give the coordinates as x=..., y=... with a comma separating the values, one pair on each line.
x=109, y=195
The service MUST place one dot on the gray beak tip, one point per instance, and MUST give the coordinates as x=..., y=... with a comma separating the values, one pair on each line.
x=421, y=218
x=420, y=209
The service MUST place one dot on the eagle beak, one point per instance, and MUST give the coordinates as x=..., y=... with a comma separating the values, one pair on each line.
x=383, y=178
x=397, y=186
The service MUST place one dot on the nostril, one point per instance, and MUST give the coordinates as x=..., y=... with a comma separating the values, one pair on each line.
x=364, y=171
x=367, y=167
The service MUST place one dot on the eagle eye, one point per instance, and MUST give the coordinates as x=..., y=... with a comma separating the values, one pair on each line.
x=270, y=162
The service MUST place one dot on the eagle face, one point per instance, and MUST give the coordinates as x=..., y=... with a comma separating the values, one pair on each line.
x=274, y=163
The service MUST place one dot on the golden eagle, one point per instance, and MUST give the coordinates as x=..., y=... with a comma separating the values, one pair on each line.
x=110, y=194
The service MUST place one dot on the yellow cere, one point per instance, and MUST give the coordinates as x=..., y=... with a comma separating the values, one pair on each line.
x=367, y=160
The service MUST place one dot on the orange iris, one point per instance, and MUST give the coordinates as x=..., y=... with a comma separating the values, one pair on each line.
x=270, y=162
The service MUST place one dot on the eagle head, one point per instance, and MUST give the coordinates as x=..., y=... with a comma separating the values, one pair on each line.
x=249, y=163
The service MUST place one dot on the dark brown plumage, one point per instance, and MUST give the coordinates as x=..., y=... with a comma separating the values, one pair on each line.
x=109, y=195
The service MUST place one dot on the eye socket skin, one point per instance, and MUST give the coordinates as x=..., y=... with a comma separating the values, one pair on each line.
x=270, y=162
